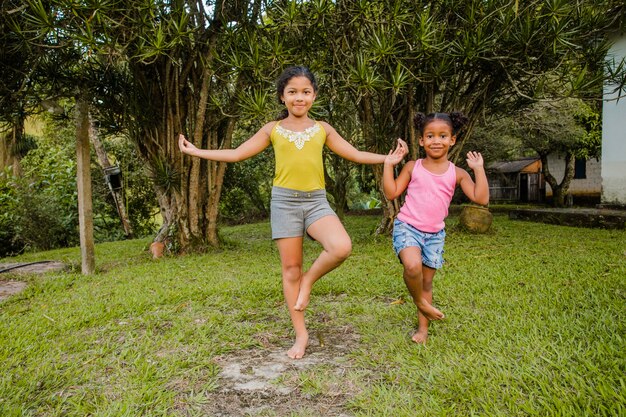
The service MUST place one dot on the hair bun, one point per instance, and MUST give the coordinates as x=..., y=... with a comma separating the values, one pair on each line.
x=418, y=120
x=458, y=120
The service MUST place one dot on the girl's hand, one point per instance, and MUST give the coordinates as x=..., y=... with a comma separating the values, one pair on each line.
x=185, y=146
x=402, y=145
x=474, y=160
x=396, y=155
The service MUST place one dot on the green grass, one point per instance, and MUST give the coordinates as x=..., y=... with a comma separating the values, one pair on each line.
x=535, y=326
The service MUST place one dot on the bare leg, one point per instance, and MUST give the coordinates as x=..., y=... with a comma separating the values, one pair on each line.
x=290, y=250
x=413, y=278
x=427, y=294
x=336, y=244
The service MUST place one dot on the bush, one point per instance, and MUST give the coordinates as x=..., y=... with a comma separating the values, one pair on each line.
x=47, y=209
x=10, y=244
x=39, y=211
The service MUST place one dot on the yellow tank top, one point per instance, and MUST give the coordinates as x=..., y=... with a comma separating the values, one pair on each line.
x=298, y=156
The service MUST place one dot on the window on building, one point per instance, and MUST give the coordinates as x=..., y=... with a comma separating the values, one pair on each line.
x=580, y=169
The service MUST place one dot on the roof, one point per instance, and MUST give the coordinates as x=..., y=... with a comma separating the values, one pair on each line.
x=512, y=166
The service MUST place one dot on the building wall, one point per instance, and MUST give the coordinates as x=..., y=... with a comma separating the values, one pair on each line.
x=614, y=136
x=589, y=187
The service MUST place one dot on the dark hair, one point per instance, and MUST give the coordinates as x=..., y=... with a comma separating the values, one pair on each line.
x=283, y=79
x=456, y=120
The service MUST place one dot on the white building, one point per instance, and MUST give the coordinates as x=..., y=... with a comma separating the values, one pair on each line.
x=614, y=134
x=586, y=186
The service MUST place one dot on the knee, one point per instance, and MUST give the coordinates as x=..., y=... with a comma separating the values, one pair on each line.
x=413, y=269
x=341, y=250
x=292, y=272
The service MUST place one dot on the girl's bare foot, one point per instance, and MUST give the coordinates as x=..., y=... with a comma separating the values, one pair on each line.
x=429, y=311
x=303, y=298
x=420, y=337
x=299, y=347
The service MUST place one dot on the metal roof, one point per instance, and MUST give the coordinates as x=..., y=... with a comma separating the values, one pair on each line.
x=511, y=166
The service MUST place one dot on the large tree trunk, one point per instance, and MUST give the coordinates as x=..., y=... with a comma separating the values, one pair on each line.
x=9, y=143
x=373, y=129
x=368, y=122
x=559, y=190
x=216, y=171
x=83, y=180
x=390, y=207
x=413, y=138
x=188, y=189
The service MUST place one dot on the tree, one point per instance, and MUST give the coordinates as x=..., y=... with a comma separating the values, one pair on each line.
x=18, y=63
x=394, y=58
x=554, y=127
x=154, y=70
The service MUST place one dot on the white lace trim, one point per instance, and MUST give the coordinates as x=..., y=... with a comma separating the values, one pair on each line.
x=298, y=138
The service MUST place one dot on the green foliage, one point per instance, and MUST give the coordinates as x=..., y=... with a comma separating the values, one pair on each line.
x=164, y=175
x=496, y=143
x=567, y=125
x=550, y=127
x=47, y=215
x=40, y=208
x=10, y=243
x=22, y=147
x=590, y=144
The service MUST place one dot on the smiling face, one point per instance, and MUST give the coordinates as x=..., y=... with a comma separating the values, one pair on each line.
x=437, y=139
x=298, y=96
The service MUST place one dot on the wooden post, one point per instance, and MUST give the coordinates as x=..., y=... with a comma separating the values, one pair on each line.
x=83, y=182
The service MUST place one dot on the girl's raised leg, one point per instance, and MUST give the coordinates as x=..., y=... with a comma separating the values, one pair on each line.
x=290, y=250
x=336, y=244
x=413, y=278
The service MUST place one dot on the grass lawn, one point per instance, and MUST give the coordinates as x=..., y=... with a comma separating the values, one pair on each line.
x=535, y=326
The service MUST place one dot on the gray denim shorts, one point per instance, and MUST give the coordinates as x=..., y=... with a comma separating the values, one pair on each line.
x=293, y=211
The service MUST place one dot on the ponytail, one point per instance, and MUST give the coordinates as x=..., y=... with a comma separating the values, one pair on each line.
x=459, y=120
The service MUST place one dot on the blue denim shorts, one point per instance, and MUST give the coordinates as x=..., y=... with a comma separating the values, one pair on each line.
x=293, y=211
x=430, y=244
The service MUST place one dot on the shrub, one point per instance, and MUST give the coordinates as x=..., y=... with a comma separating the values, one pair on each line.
x=10, y=244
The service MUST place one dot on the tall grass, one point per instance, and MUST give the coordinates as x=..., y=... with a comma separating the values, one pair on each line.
x=535, y=326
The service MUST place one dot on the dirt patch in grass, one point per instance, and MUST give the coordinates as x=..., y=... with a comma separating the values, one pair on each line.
x=268, y=383
x=8, y=288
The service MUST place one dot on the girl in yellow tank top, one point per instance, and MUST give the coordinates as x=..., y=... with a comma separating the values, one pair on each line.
x=299, y=164
x=299, y=204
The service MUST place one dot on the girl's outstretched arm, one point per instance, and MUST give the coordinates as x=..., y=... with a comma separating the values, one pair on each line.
x=259, y=141
x=478, y=192
x=344, y=149
x=394, y=187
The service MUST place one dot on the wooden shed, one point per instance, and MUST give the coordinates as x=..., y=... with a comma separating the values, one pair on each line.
x=519, y=180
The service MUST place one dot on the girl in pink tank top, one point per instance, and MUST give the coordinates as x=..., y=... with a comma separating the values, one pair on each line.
x=419, y=229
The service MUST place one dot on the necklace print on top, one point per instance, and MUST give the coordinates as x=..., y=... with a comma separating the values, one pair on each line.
x=298, y=138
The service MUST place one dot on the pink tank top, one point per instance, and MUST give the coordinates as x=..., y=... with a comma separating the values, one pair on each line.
x=428, y=198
